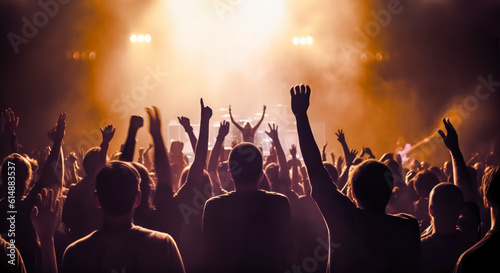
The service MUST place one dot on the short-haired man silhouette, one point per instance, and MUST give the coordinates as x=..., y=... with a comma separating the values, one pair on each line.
x=120, y=246
x=247, y=230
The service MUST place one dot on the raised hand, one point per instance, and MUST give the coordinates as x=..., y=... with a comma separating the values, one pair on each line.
x=107, y=133
x=350, y=156
x=206, y=112
x=273, y=132
x=387, y=156
x=293, y=151
x=136, y=122
x=229, y=108
x=176, y=147
x=300, y=99
x=57, y=134
x=185, y=123
x=369, y=152
x=71, y=158
x=154, y=121
x=264, y=109
x=10, y=121
x=340, y=136
x=44, y=214
x=451, y=138
x=223, y=129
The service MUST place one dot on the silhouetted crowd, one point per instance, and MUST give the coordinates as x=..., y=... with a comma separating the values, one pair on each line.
x=243, y=212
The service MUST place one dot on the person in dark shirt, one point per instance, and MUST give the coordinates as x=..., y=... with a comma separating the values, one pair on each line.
x=445, y=241
x=247, y=230
x=120, y=246
x=483, y=256
x=368, y=239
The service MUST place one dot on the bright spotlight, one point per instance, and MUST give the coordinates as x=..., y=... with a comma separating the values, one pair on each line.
x=309, y=40
x=133, y=38
x=140, y=38
x=147, y=38
x=302, y=40
x=295, y=40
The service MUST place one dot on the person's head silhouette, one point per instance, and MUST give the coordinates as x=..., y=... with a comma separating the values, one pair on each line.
x=117, y=188
x=16, y=174
x=425, y=181
x=372, y=183
x=445, y=205
x=90, y=160
x=491, y=189
x=245, y=166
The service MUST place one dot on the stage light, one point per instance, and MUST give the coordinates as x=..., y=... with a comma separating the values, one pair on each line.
x=147, y=38
x=379, y=57
x=302, y=40
x=133, y=38
x=140, y=38
x=92, y=55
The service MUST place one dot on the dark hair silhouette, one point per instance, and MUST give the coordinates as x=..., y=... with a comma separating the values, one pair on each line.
x=491, y=186
x=424, y=182
x=446, y=202
x=372, y=184
x=22, y=174
x=90, y=160
x=117, y=185
x=245, y=163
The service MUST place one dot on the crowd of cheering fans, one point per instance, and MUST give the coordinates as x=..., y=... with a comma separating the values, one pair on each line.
x=153, y=211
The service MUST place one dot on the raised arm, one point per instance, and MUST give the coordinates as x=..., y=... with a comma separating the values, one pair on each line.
x=9, y=137
x=283, y=168
x=233, y=121
x=312, y=157
x=254, y=129
x=127, y=154
x=52, y=176
x=461, y=176
x=196, y=171
x=214, y=158
x=349, y=158
x=186, y=124
x=44, y=219
x=161, y=162
x=107, y=135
